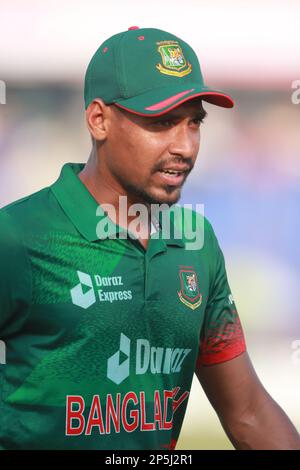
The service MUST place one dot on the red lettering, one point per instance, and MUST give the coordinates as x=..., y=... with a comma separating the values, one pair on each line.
x=180, y=400
x=111, y=412
x=134, y=414
x=95, y=416
x=157, y=409
x=145, y=426
x=74, y=414
x=118, y=411
x=168, y=395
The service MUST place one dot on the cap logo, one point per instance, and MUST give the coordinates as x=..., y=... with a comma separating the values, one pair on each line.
x=173, y=60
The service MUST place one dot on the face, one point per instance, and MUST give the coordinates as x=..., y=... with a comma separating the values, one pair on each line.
x=149, y=158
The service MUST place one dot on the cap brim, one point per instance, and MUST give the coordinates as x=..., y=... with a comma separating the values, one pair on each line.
x=162, y=100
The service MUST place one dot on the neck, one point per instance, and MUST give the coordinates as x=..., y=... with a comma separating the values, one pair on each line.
x=115, y=201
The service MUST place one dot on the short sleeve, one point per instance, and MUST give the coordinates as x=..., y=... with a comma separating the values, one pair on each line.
x=15, y=277
x=222, y=336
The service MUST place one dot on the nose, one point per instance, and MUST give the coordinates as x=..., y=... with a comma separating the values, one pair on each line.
x=185, y=141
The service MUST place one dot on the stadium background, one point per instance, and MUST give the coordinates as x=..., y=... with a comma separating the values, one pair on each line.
x=248, y=169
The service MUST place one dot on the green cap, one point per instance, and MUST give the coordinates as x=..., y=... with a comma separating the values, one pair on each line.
x=147, y=72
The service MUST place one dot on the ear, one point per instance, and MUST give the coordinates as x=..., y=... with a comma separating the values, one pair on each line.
x=97, y=114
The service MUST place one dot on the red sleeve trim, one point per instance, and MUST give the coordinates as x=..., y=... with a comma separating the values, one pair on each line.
x=228, y=353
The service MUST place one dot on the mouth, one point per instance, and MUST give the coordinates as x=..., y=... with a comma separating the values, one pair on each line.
x=172, y=177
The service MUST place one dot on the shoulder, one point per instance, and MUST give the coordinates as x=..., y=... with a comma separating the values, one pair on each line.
x=25, y=210
x=15, y=272
x=8, y=232
x=20, y=221
x=14, y=260
x=35, y=214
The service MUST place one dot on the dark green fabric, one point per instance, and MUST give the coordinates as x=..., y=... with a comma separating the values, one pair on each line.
x=76, y=312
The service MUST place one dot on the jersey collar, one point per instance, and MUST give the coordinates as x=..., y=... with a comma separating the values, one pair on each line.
x=84, y=211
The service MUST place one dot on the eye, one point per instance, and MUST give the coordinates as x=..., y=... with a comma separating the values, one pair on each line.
x=198, y=121
x=165, y=123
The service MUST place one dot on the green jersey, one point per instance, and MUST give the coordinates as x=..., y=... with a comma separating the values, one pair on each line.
x=102, y=336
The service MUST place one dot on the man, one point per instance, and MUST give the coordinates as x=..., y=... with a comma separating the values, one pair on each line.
x=105, y=322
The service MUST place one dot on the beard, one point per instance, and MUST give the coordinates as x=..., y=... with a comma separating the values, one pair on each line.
x=145, y=196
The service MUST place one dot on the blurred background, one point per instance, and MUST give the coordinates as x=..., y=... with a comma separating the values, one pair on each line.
x=248, y=169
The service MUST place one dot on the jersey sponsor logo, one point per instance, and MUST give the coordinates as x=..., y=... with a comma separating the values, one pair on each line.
x=117, y=368
x=173, y=60
x=148, y=359
x=87, y=292
x=130, y=412
x=189, y=293
x=83, y=293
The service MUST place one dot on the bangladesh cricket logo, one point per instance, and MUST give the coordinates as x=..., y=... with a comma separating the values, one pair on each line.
x=189, y=293
x=173, y=60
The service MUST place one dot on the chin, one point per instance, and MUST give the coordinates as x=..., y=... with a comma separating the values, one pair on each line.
x=164, y=197
x=154, y=195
